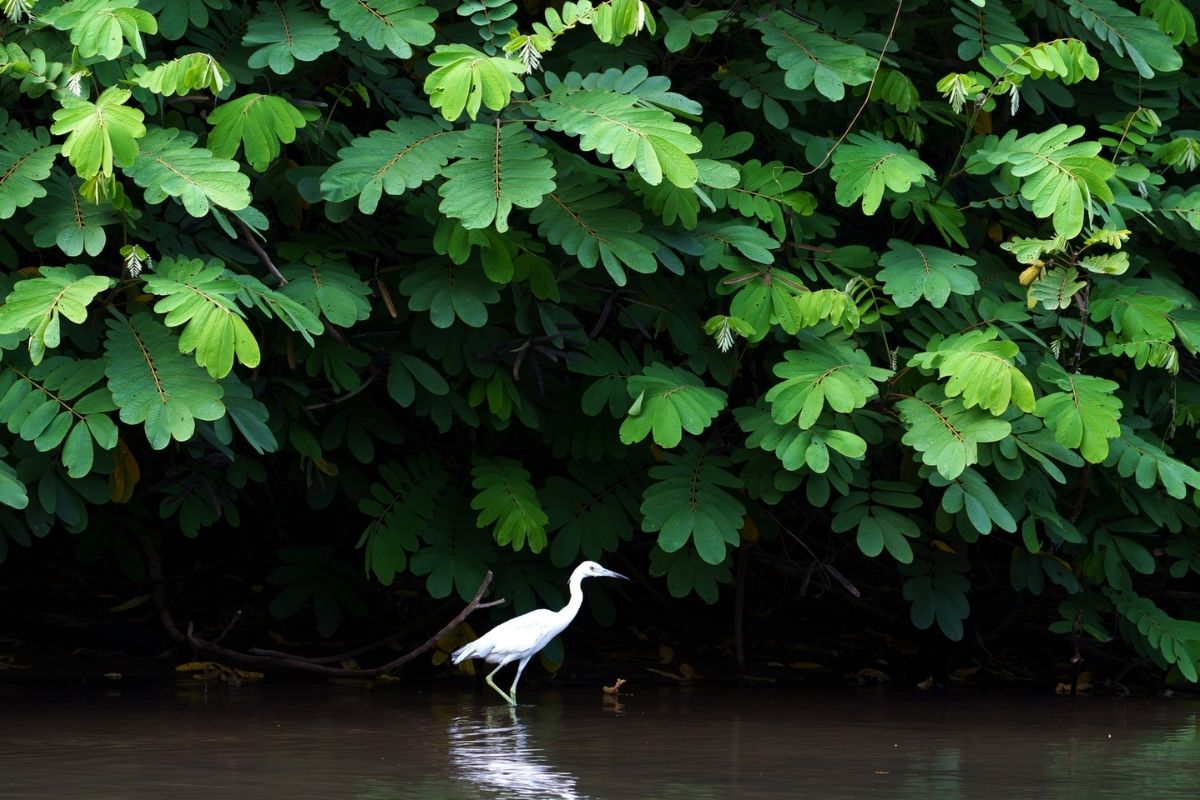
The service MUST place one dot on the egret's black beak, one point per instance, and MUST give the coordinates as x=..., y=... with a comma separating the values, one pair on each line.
x=608, y=573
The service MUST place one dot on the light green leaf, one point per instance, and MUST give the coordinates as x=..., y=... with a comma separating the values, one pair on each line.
x=102, y=27
x=153, y=384
x=99, y=134
x=498, y=167
x=812, y=58
x=587, y=221
x=410, y=152
x=182, y=75
x=200, y=296
x=689, y=502
x=866, y=164
x=981, y=370
x=1084, y=415
x=621, y=126
x=259, y=122
x=35, y=304
x=671, y=400
x=827, y=371
x=25, y=162
x=169, y=166
x=466, y=79
x=287, y=32
x=394, y=25
x=1129, y=35
x=508, y=502
x=945, y=433
x=911, y=272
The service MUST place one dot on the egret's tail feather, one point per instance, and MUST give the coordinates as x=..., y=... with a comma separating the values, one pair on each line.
x=463, y=653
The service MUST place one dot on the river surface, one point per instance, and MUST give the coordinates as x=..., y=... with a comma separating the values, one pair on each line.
x=668, y=744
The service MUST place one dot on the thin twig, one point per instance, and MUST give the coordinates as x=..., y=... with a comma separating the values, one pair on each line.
x=866, y=97
x=257, y=248
x=342, y=672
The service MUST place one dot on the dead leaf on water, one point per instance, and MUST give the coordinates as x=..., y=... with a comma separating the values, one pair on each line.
x=665, y=654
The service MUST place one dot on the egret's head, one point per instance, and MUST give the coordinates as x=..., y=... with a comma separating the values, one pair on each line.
x=590, y=569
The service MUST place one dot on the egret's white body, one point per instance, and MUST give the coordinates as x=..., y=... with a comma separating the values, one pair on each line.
x=522, y=637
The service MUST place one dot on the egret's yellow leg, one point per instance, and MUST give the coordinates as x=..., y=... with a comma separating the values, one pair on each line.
x=499, y=691
x=513, y=690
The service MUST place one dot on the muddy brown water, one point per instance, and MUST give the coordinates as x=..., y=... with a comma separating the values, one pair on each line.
x=696, y=744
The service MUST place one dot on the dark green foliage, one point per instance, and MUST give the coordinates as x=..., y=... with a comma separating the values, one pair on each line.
x=500, y=285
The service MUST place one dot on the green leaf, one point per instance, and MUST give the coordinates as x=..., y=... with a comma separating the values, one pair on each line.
x=466, y=79
x=981, y=370
x=181, y=14
x=591, y=513
x=866, y=164
x=13, y=492
x=25, y=162
x=945, y=433
x=153, y=384
x=200, y=296
x=1084, y=414
x=812, y=58
x=247, y=414
x=1056, y=288
x=329, y=288
x=878, y=526
x=686, y=572
x=1149, y=464
x=102, y=27
x=588, y=222
x=272, y=303
x=911, y=272
x=448, y=293
x=65, y=220
x=169, y=166
x=768, y=192
x=400, y=505
x=602, y=360
x=1059, y=178
x=407, y=154
x=620, y=126
x=35, y=304
x=508, y=501
x=1129, y=35
x=827, y=371
x=672, y=400
x=182, y=75
x=287, y=32
x=816, y=448
x=99, y=134
x=498, y=167
x=937, y=588
x=689, y=503
x=970, y=495
x=406, y=371
x=57, y=404
x=394, y=25
x=260, y=123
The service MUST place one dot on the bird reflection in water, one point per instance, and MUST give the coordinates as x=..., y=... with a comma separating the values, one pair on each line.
x=493, y=752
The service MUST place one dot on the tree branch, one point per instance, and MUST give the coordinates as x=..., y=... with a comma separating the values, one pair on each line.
x=257, y=248
x=270, y=659
x=866, y=96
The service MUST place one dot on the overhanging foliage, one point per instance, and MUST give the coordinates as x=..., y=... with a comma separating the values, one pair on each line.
x=528, y=282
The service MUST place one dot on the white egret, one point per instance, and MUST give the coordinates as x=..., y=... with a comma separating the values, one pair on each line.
x=521, y=637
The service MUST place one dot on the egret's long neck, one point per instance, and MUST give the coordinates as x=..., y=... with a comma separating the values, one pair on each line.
x=568, y=612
